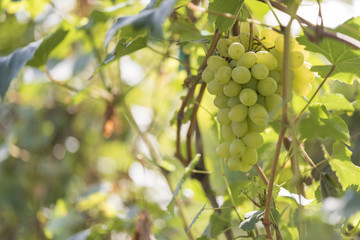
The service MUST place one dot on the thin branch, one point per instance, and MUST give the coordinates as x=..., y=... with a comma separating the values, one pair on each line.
x=261, y=174
x=313, y=96
x=60, y=83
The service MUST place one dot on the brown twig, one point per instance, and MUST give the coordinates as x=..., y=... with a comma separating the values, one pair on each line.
x=261, y=174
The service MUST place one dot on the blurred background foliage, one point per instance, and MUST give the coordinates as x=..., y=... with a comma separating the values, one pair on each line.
x=78, y=143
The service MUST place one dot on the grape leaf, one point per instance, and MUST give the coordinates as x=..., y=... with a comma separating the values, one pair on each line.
x=336, y=102
x=186, y=174
x=146, y=19
x=195, y=218
x=319, y=124
x=219, y=222
x=343, y=57
x=251, y=218
x=224, y=6
x=347, y=173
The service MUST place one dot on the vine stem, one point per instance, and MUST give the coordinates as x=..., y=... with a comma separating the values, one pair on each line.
x=284, y=122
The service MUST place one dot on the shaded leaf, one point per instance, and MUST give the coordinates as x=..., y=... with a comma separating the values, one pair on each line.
x=186, y=174
x=224, y=6
x=195, y=219
x=251, y=218
x=11, y=64
x=328, y=186
x=146, y=19
x=345, y=58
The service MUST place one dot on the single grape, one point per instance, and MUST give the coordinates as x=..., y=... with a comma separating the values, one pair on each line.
x=275, y=75
x=237, y=148
x=247, y=60
x=303, y=74
x=233, y=101
x=296, y=59
x=215, y=62
x=223, y=150
x=222, y=116
x=254, y=127
x=214, y=87
x=279, y=43
x=236, y=50
x=234, y=163
x=207, y=75
x=238, y=113
x=248, y=27
x=231, y=89
x=244, y=38
x=273, y=104
x=223, y=74
x=253, y=139
x=259, y=71
x=244, y=167
x=302, y=88
x=258, y=114
x=267, y=86
x=227, y=133
x=248, y=97
x=241, y=74
x=267, y=59
x=233, y=63
x=221, y=101
x=222, y=47
x=279, y=57
x=301, y=48
x=252, y=84
x=250, y=156
x=240, y=128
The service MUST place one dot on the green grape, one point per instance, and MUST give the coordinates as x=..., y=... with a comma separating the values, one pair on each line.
x=268, y=37
x=250, y=156
x=267, y=59
x=302, y=88
x=248, y=97
x=233, y=63
x=233, y=101
x=275, y=75
x=244, y=167
x=252, y=84
x=240, y=128
x=238, y=113
x=253, y=140
x=296, y=59
x=267, y=86
x=303, y=74
x=236, y=50
x=207, y=75
x=222, y=116
x=231, y=89
x=223, y=150
x=254, y=127
x=258, y=114
x=222, y=47
x=261, y=100
x=259, y=71
x=246, y=27
x=273, y=104
x=237, y=148
x=223, y=74
x=279, y=89
x=215, y=62
x=214, y=87
x=221, y=101
x=247, y=60
x=279, y=43
x=244, y=38
x=234, y=163
x=241, y=74
x=227, y=133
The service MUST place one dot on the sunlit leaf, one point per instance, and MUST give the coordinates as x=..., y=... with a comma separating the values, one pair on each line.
x=232, y=8
x=251, y=218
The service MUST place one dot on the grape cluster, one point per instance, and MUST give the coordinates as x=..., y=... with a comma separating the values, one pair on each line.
x=246, y=85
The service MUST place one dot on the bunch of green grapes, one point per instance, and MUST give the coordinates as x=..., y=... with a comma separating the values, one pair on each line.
x=302, y=76
x=246, y=86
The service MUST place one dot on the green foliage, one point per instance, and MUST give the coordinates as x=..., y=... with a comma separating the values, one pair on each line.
x=228, y=7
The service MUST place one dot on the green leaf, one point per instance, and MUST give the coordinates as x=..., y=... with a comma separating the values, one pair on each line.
x=299, y=199
x=48, y=44
x=345, y=58
x=319, y=124
x=224, y=6
x=195, y=218
x=346, y=171
x=219, y=222
x=328, y=185
x=11, y=64
x=146, y=19
x=186, y=174
x=251, y=218
x=337, y=102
